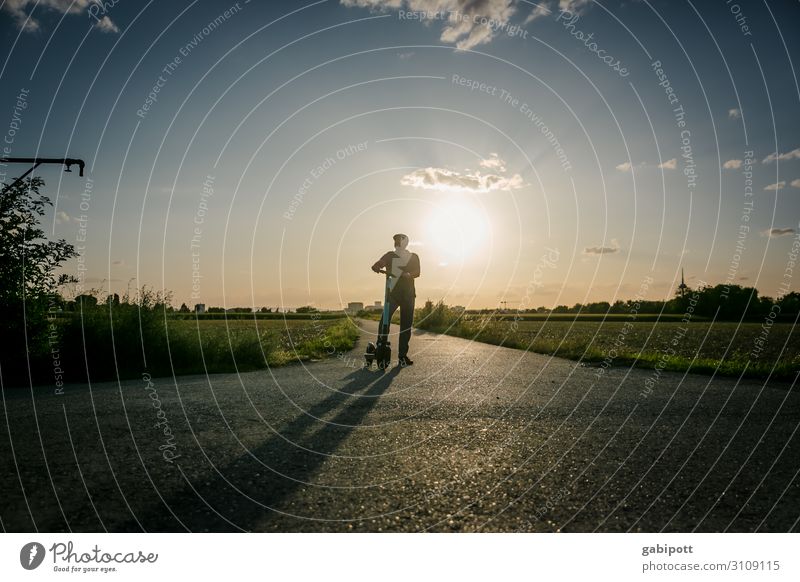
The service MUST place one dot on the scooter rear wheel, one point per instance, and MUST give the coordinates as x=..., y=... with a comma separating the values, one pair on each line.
x=369, y=356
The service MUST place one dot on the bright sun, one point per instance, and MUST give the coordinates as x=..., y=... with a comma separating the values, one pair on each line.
x=457, y=229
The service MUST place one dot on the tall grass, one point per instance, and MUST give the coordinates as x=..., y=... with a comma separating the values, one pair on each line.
x=139, y=335
x=724, y=349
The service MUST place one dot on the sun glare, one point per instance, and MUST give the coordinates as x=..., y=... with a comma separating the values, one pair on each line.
x=457, y=230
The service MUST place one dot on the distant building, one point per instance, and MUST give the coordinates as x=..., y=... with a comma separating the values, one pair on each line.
x=354, y=307
x=377, y=306
x=200, y=308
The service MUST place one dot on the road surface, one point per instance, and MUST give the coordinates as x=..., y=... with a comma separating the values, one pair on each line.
x=471, y=438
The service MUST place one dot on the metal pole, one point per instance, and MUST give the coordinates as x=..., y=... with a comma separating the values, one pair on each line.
x=68, y=162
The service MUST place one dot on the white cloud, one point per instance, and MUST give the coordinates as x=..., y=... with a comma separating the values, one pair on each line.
x=792, y=155
x=776, y=232
x=106, y=25
x=542, y=9
x=734, y=113
x=795, y=183
x=445, y=180
x=548, y=7
x=493, y=162
x=776, y=186
x=599, y=250
x=20, y=12
x=627, y=166
x=574, y=6
x=467, y=23
x=669, y=164
x=732, y=164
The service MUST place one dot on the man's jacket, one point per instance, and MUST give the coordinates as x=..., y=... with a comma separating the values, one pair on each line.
x=401, y=288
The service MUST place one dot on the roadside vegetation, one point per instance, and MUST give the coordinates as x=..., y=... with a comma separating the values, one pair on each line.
x=646, y=341
x=104, y=341
x=141, y=335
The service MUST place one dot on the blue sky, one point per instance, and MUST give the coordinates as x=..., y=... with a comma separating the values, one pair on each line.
x=288, y=141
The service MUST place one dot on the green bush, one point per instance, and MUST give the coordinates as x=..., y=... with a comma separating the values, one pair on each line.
x=122, y=340
x=139, y=335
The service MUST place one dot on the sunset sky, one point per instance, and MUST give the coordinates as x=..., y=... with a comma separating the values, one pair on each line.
x=274, y=148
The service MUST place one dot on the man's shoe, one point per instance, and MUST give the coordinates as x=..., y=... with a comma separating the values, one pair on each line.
x=405, y=361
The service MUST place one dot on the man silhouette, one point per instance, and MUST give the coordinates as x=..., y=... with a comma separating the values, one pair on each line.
x=405, y=268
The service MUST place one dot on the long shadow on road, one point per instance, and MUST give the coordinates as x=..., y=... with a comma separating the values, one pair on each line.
x=246, y=491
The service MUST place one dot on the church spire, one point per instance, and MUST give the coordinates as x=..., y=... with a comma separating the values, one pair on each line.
x=683, y=286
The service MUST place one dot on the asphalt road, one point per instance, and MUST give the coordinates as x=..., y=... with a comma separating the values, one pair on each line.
x=471, y=438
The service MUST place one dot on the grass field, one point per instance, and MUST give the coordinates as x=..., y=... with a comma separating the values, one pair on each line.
x=234, y=316
x=703, y=347
x=253, y=344
x=129, y=342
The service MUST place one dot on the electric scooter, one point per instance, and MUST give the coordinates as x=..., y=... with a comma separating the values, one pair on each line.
x=381, y=351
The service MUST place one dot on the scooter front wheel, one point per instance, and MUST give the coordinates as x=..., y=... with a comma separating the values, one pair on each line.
x=385, y=358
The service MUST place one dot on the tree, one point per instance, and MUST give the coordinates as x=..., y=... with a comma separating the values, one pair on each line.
x=619, y=307
x=598, y=307
x=28, y=261
x=85, y=302
x=790, y=303
x=28, y=273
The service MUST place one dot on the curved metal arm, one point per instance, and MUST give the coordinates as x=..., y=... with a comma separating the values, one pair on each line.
x=68, y=162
